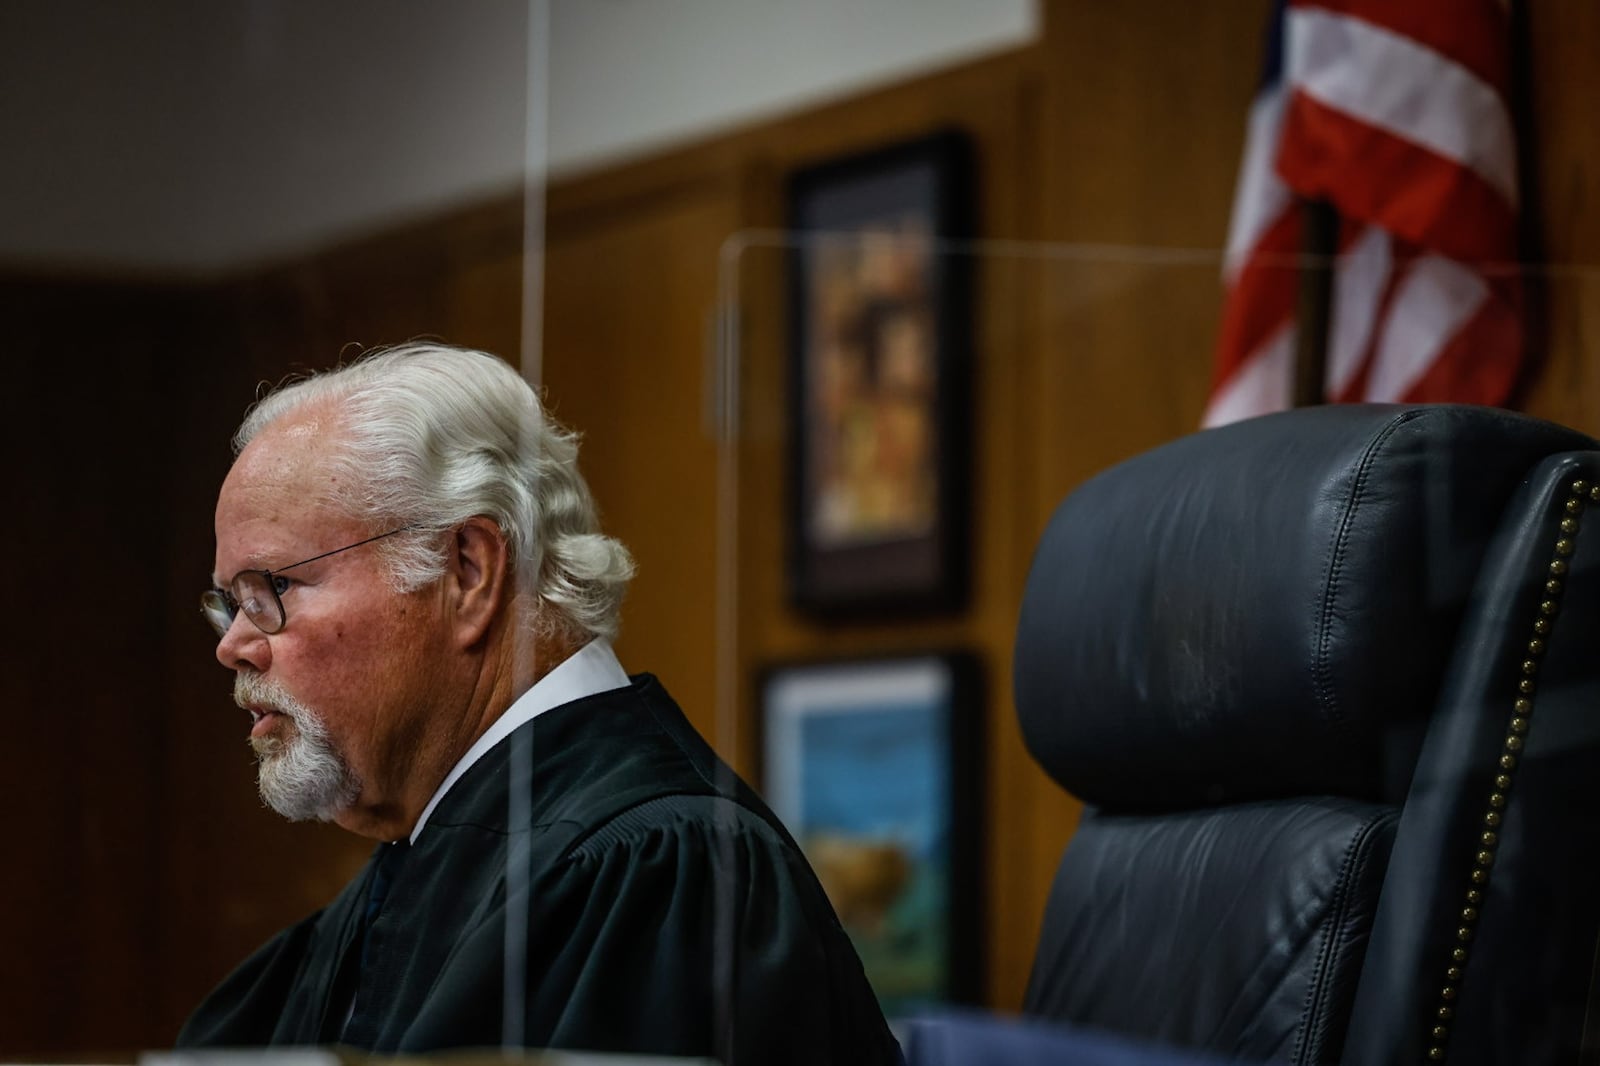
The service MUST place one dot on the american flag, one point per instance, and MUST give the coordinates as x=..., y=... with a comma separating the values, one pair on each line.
x=1397, y=113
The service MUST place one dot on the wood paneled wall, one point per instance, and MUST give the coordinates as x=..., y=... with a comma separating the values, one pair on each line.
x=146, y=865
x=143, y=866
x=1561, y=193
x=1073, y=371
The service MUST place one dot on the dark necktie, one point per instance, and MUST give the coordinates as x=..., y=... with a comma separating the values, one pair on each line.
x=383, y=875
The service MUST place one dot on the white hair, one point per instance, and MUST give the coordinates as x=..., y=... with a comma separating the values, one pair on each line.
x=303, y=777
x=435, y=435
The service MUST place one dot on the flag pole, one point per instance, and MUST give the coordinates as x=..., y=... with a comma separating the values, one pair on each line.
x=1315, y=303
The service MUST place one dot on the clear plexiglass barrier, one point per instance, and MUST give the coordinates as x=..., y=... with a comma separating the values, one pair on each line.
x=897, y=417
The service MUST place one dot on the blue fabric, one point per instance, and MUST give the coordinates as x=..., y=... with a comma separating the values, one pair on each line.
x=961, y=1039
x=392, y=855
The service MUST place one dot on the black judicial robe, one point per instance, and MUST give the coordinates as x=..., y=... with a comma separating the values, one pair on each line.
x=667, y=912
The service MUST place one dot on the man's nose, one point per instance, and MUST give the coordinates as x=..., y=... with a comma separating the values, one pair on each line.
x=244, y=647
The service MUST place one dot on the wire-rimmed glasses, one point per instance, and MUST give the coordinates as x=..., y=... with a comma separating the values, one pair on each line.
x=258, y=593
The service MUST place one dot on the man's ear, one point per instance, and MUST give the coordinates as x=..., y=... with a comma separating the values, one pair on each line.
x=478, y=579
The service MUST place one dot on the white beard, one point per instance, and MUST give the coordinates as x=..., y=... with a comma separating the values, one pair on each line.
x=302, y=777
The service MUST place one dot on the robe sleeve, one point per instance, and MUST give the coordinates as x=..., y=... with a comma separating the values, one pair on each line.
x=247, y=1008
x=690, y=926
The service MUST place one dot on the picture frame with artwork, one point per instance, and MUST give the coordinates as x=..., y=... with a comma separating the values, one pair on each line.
x=875, y=767
x=879, y=308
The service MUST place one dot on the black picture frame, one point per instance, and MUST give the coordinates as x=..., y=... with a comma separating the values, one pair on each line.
x=879, y=309
x=876, y=768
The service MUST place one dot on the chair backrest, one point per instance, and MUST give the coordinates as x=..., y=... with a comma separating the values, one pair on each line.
x=1329, y=682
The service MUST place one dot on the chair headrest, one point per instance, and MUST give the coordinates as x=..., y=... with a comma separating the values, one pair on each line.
x=1264, y=609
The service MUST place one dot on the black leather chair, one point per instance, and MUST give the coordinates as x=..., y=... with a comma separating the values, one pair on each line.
x=1329, y=685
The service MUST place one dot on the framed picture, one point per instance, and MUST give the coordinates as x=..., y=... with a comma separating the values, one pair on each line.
x=879, y=373
x=875, y=768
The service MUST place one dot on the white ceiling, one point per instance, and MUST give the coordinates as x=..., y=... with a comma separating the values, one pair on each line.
x=198, y=135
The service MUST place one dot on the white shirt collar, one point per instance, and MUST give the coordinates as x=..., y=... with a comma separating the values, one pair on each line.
x=591, y=670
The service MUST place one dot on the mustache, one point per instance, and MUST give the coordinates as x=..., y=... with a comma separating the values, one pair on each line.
x=253, y=690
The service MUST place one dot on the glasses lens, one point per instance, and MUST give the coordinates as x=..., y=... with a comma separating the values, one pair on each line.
x=217, y=610
x=253, y=590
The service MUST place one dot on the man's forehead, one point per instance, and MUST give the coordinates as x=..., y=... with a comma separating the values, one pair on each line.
x=282, y=481
x=275, y=507
x=287, y=449
x=301, y=428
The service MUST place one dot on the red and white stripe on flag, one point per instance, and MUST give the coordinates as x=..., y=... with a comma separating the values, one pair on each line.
x=1397, y=114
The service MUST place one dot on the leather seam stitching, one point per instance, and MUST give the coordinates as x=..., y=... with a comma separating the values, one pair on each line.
x=1322, y=685
x=1357, y=855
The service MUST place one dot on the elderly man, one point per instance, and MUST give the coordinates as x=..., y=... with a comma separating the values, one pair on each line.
x=417, y=604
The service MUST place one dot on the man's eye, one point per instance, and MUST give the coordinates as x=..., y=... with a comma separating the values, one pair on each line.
x=280, y=585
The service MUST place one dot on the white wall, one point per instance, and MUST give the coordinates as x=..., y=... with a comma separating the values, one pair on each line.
x=628, y=75
x=195, y=135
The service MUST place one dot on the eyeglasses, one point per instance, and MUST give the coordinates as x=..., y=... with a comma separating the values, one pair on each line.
x=258, y=593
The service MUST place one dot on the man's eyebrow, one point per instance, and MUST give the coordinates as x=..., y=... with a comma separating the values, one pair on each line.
x=251, y=563
x=256, y=560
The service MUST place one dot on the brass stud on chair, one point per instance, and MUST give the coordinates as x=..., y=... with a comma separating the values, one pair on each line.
x=1594, y=494
x=1516, y=729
